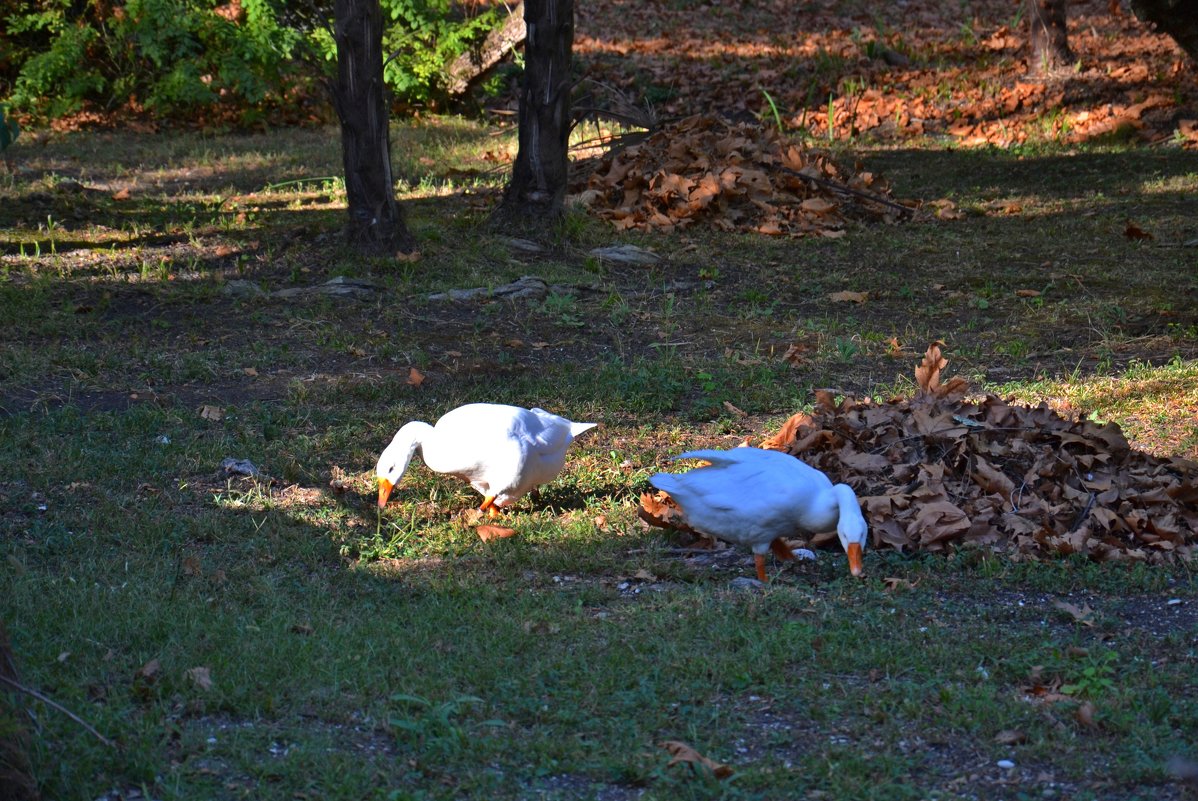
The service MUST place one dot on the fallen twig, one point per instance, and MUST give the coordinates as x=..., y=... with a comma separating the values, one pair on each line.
x=52, y=703
x=837, y=186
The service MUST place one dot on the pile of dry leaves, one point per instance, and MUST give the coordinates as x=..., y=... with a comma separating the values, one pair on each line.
x=936, y=470
x=735, y=177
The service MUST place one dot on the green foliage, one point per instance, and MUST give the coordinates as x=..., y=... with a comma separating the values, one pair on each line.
x=1095, y=679
x=178, y=56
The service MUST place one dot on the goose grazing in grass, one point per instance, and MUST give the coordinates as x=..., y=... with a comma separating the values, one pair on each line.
x=503, y=451
x=756, y=497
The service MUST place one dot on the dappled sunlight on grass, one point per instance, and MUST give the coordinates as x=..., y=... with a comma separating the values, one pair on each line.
x=1157, y=406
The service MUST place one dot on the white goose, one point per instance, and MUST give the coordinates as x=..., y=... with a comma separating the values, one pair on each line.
x=756, y=497
x=503, y=451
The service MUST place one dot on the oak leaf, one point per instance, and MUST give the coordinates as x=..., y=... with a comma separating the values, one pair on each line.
x=1081, y=614
x=683, y=754
x=486, y=533
x=1010, y=737
x=201, y=677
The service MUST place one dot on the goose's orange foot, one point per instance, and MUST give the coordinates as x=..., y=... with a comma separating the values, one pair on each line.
x=489, y=507
x=759, y=559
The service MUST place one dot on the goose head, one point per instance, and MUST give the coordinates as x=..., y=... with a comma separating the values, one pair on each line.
x=393, y=462
x=853, y=533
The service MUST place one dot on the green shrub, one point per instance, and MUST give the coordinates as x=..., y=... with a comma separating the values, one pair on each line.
x=178, y=56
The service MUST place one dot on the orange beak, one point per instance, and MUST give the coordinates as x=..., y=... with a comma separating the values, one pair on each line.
x=385, y=488
x=855, y=566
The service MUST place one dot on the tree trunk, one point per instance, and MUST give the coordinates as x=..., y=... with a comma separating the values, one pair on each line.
x=16, y=775
x=1177, y=18
x=536, y=194
x=1047, y=36
x=478, y=61
x=376, y=224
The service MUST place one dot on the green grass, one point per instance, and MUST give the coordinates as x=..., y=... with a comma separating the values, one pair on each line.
x=354, y=654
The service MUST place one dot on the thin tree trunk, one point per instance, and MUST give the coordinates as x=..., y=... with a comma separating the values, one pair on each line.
x=16, y=775
x=1047, y=36
x=536, y=194
x=376, y=223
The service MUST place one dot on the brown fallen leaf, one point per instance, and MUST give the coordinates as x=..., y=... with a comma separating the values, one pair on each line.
x=1010, y=737
x=927, y=374
x=734, y=410
x=1084, y=715
x=682, y=753
x=149, y=671
x=191, y=565
x=817, y=205
x=1027, y=293
x=894, y=583
x=415, y=377
x=121, y=194
x=1083, y=614
x=486, y=533
x=795, y=354
x=848, y=297
x=250, y=371
x=201, y=677
x=212, y=413
x=1133, y=231
x=658, y=509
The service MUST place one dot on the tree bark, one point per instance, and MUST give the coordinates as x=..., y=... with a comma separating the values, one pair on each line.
x=16, y=774
x=1047, y=36
x=1177, y=18
x=536, y=194
x=477, y=62
x=376, y=223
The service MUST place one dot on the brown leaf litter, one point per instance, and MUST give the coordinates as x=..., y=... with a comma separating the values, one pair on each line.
x=704, y=170
x=936, y=471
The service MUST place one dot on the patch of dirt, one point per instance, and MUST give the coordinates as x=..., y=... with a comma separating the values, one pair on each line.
x=577, y=787
x=892, y=71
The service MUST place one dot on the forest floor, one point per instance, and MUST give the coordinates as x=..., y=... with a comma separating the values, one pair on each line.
x=166, y=306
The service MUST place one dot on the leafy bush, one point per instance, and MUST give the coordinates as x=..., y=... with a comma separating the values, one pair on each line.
x=178, y=56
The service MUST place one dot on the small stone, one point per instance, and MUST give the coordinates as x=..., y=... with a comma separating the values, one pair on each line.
x=241, y=288
x=528, y=287
x=523, y=245
x=746, y=583
x=626, y=254
x=339, y=286
x=239, y=467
